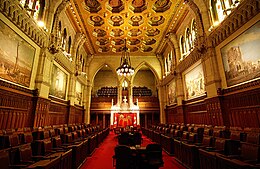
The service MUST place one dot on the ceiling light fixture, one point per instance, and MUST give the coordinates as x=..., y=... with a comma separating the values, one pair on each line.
x=125, y=68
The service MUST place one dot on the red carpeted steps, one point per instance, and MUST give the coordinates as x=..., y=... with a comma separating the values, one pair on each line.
x=102, y=157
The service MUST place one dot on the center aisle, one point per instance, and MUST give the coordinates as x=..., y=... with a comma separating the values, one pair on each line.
x=102, y=157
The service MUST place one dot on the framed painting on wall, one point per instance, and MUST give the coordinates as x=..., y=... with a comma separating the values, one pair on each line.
x=58, y=82
x=16, y=57
x=194, y=82
x=78, y=94
x=172, y=98
x=241, y=57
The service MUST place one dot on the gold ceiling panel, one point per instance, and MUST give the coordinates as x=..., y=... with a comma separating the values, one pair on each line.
x=143, y=23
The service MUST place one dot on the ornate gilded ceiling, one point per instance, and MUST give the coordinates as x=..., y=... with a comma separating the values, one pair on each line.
x=143, y=23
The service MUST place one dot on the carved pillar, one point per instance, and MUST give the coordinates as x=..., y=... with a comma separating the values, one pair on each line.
x=211, y=73
x=130, y=93
x=119, y=95
x=160, y=58
x=173, y=39
x=179, y=89
x=87, y=102
x=72, y=89
x=162, y=102
x=43, y=76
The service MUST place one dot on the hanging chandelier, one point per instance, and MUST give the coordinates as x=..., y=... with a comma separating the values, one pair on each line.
x=125, y=68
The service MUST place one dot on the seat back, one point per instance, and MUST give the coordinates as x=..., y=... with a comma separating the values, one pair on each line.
x=56, y=142
x=28, y=138
x=253, y=138
x=4, y=159
x=123, y=157
x=220, y=144
x=207, y=141
x=137, y=138
x=123, y=138
x=154, y=155
x=250, y=152
x=25, y=153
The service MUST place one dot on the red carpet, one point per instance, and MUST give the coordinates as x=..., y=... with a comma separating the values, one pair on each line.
x=102, y=157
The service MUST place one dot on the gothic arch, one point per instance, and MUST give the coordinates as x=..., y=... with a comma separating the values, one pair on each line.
x=99, y=68
x=150, y=67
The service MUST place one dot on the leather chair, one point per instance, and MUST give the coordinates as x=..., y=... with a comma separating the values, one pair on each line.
x=136, y=139
x=153, y=157
x=123, y=138
x=123, y=158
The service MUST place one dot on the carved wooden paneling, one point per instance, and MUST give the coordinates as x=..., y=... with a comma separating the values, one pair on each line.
x=175, y=114
x=243, y=108
x=15, y=106
x=195, y=113
x=76, y=114
x=58, y=113
x=79, y=114
x=214, y=111
x=41, y=112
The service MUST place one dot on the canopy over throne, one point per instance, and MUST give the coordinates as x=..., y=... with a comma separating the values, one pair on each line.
x=124, y=115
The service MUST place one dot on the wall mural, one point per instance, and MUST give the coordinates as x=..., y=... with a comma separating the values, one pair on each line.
x=194, y=81
x=241, y=57
x=172, y=93
x=58, y=83
x=16, y=56
x=78, y=93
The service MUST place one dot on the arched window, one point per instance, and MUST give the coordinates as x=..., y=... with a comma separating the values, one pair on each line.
x=69, y=44
x=193, y=32
x=183, y=47
x=83, y=65
x=35, y=8
x=220, y=9
x=169, y=62
x=187, y=40
x=64, y=39
x=59, y=29
x=166, y=65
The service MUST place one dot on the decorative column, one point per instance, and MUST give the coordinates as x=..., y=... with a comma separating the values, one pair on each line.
x=173, y=39
x=130, y=93
x=119, y=95
x=87, y=102
x=43, y=76
x=162, y=103
x=179, y=89
x=211, y=73
x=72, y=89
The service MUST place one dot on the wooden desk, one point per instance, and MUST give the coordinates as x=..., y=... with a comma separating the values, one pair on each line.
x=56, y=161
x=53, y=163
